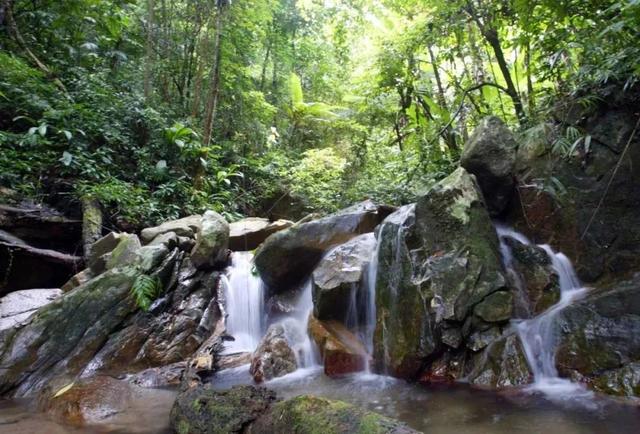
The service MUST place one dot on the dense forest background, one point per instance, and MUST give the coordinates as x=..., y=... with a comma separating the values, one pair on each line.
x=158, y=109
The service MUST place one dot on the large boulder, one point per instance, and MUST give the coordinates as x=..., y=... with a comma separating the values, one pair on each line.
x=247, y=234
x=273, y=357
x=341, y=351
x=585, y=204
x=288, y=257
x=490, y=154
x=339, y=279
x=248, y=409
x=439, y=268
x=502, y=365
x=212, y=241
x=18, y=261
x=599, y=339
x=17, y=306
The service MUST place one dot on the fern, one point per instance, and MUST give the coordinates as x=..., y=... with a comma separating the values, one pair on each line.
x=144, y=291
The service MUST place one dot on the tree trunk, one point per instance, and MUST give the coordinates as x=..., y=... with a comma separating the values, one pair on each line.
x=91, y=224
x=214, y=80
x=148, y=66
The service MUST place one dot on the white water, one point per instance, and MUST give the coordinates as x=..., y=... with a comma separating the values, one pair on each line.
x=296, y=330
x=538, y=335
x=370, y=305
x=244, y=293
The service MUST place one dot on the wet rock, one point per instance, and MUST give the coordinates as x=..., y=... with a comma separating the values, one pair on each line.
x=62, y=337
x=184, y=227
x=169, y=239
x=247, y=234
x=201, y=410
x=160, y=377
x=84, y=402
x=309, y=414
x=437, y=261
x=287, y=257
x=229, y=361
x=482, y=338
x=341, y=351
x=339, y=279
x=600, y=337
x=502, y=364
x=212, y=241
x=535, y=277
x=282, y=303
x=100, y=251
x=18, y=262
x=125, y=253
x=17, y=306
x=78, y=279
x=273, y=357
x=490, y=155
x=497, y=307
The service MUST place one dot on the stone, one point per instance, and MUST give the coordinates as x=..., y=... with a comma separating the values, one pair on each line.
x=273, y=357
x=17, y=306
x=490, y=155
x=212, y=241
x=160, y=377
x=341, y=351
x=247, y=234
x=19, y=261
x=169, y=239
x=497, y=307
x=501, y=365
x=100, y=251
x=125, y=253
x=482, y=338
x=229, y=361
x=150, y=256
x=437, y=260
x=288, y=257
x=184, y=227
x=339, y=279
x=201, y=410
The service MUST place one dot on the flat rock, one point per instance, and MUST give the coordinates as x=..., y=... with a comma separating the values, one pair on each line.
x=17, y=306
x=247, y=234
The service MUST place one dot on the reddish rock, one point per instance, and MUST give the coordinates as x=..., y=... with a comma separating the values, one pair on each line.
x=341, y=350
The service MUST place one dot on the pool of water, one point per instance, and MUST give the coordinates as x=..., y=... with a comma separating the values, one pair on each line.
x=457, y=409
x=450, y=409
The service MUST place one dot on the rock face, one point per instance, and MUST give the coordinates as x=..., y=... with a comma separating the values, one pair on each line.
x=201, y=410
x=248, y=409
x=287, y=257
x=503, y=364
x=338, y=280
x=273, y=357
x=600, y=339
x=341, y=351
x=17, y=306
x=490, y=155
x=559, y=198
x=18, y=262
x=212, y=241
x=247, y=234
x=439, y=277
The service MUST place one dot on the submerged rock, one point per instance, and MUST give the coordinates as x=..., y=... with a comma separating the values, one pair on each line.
x=273, y=357
x=287, y=257
x=490, y=155
x=248, y=409
x=212, y=241
x=438, y=262
x=338, y=280
x=341, y=351
x=247, y=234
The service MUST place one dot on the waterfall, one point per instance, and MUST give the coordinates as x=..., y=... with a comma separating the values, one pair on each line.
x=296, y=329
x=370, y=305
x=538, y=334
x=244, y=293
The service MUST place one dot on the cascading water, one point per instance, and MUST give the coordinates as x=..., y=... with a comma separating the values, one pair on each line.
x=244, y=293
x=538, y=334
x=296, y=329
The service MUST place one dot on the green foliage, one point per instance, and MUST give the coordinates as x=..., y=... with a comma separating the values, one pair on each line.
x=145, y=290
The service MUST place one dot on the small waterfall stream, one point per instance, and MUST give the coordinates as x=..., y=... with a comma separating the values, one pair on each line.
x=244, y=293
x=296, y=329
x=538, y=335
